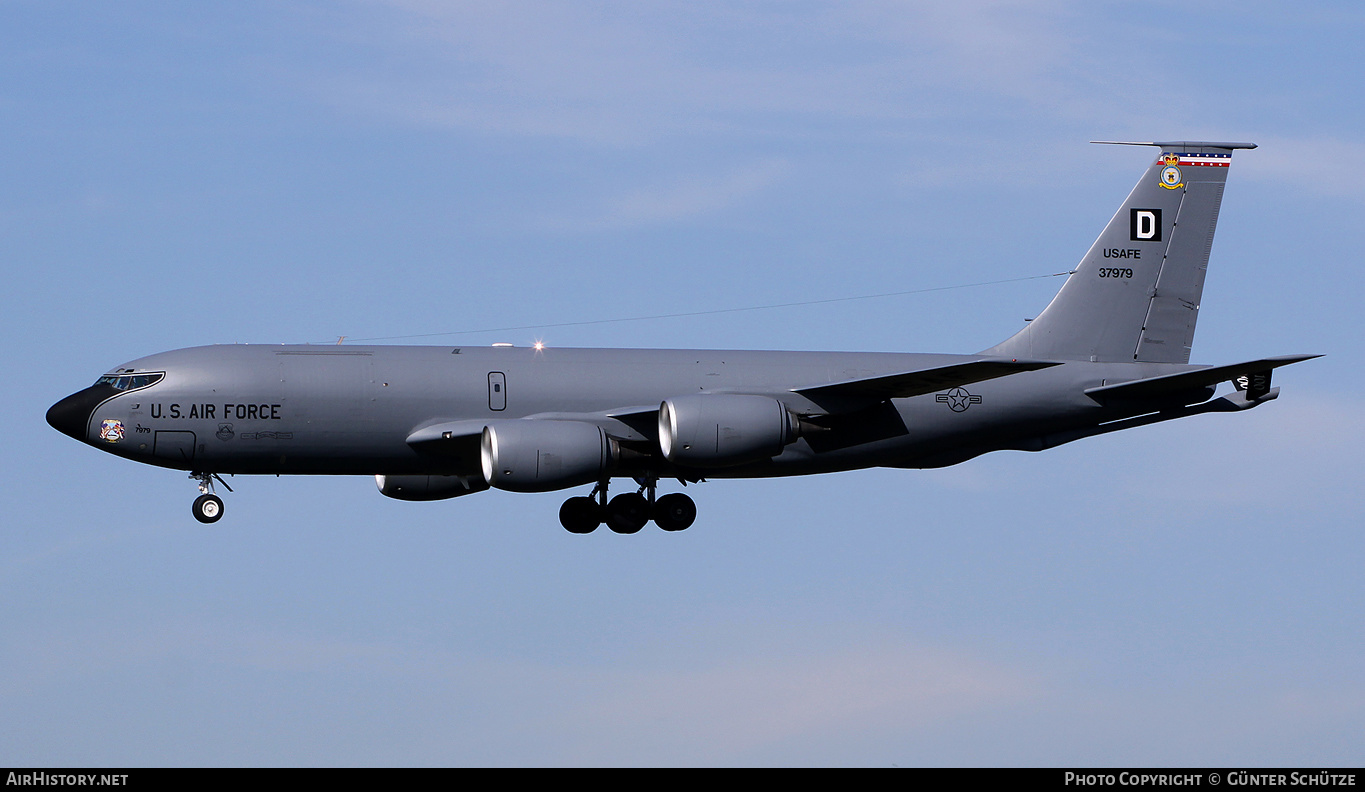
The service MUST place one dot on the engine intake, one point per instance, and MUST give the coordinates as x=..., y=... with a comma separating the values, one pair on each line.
x=539, y=456
x=724, y=429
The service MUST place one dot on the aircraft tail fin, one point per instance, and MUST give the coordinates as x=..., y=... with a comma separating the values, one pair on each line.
x=1135, y=296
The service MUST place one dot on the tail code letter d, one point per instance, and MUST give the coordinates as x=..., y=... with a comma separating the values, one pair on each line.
x=1144, y=225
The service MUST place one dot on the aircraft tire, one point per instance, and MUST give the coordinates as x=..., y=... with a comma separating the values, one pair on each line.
x=627, y=513
x=674, y=512
x=580, y=515
x=208, y=508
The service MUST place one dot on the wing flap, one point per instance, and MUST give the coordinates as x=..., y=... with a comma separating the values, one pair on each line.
x=905, y=384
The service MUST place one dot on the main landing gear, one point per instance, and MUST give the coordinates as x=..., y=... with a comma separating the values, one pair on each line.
x=208, y=507
x=628, y=512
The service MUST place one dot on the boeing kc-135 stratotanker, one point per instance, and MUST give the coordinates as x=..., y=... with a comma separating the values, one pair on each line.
x=1111, y=351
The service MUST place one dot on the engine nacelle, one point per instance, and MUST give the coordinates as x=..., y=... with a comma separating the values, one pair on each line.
x=428, y=488
x=539, y=456
x=723, y=429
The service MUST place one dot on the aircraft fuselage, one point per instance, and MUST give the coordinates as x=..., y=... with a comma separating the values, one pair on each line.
x=259, y=409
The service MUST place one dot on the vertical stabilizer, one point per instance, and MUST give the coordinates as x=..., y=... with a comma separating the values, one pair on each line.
x=1135, y=296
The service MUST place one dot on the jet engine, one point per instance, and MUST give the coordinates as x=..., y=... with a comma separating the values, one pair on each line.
x=540, y=456
x=428, y=488
x=724, y=429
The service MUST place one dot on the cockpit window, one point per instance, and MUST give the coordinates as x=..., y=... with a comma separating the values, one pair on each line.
x=130, y=381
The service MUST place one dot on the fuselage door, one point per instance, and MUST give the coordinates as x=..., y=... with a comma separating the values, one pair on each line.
x=497, y=390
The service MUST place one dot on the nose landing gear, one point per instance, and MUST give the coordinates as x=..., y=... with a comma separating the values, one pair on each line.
x=628, y=512
x=208, y=507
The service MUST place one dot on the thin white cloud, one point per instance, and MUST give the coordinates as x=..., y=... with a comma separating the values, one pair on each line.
x=1298, y=450
x=715, y=703
x=612, y=73
x=999, y=47
x=1318, y=165
x=693, y=195
x=740, y=707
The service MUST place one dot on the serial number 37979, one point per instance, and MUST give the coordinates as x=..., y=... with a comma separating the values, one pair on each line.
x=1116, y=272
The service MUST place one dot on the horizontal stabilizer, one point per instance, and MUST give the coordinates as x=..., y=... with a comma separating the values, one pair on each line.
x=1155, y=387
x=1179, y=144
x=917, y=383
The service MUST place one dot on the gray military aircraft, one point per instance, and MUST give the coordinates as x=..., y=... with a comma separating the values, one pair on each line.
x=1111, y=351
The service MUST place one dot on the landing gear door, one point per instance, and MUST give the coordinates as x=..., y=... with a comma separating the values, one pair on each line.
x=497, y=391
x=175, y=446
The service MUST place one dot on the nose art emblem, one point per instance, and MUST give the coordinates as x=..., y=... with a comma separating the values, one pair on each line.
x=111, y=430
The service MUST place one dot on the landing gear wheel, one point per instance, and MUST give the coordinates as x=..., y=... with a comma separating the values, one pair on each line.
x=580, y=515
x=674, y=512
x=208, y=508
x=627, y=513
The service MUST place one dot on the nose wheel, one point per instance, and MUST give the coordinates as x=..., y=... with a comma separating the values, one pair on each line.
x=208, y=507
x=628, y=512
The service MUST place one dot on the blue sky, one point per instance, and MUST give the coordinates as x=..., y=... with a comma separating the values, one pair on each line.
x=1188, y=593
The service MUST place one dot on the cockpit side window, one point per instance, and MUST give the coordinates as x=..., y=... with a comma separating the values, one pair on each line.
x=127, y=382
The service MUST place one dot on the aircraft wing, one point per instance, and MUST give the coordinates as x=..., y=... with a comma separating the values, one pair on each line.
x=1256, y=372
x=917, y=383
x=462, y=438
x=459, y=439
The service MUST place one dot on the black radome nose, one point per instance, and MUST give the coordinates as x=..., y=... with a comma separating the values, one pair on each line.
x=71, y=416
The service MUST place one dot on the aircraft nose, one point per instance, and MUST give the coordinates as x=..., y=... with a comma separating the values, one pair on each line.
x=71, y=416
